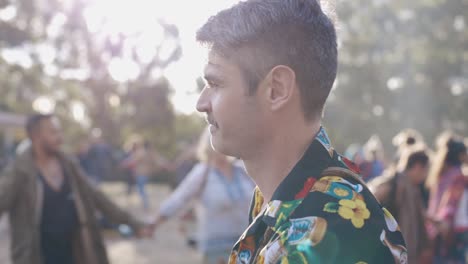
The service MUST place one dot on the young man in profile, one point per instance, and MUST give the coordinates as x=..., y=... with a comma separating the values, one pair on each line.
x=271, y=65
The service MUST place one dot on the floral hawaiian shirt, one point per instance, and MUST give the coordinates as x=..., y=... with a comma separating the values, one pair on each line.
x=322, y=212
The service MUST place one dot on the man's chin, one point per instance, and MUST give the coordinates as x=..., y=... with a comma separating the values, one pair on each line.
x=221, y=147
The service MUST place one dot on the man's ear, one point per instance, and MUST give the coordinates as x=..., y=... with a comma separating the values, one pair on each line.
x=280, y=87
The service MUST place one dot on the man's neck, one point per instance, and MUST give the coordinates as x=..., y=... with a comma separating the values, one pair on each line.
x=41, y=157
x=272, y=163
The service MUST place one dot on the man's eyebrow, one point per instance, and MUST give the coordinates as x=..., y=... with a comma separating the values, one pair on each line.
x=213, y=72
x=212, y=77
x=215, y=65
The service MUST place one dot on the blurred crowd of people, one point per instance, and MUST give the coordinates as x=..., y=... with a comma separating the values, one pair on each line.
x=425, y=189
x=210, y=190
x=68, y=206
x=220, y=191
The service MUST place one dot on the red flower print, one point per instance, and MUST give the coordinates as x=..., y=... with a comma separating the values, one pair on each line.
x=306, y=189
x=351, y=165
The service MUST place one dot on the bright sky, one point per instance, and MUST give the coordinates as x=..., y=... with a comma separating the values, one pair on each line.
x=184, y=73
x=188, y=16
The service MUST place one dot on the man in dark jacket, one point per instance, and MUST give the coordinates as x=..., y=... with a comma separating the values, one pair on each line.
x=52, y=205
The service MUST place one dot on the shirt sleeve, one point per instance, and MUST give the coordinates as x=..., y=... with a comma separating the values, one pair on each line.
x=188, y=189
x=107, y=207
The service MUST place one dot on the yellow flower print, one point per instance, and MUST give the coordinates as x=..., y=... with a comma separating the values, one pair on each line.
x=233, y=257
x=260, y=260
x=356, y=211
x=341, y=192
x=258, y=202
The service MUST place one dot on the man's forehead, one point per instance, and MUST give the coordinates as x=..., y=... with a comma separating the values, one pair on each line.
x=52, y=122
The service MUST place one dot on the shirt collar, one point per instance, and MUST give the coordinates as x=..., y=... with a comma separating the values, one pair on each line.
x=315, y=159
x=295, y=186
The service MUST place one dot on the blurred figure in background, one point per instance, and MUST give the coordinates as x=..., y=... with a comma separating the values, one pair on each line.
x=368, y=158
x=96, y=159
x=465, y=165
x=127, y=169
x=184, y=162
x=374, y=159
x=222, y=194
x=143, y=162
x=398, y=191
x=351, y=151
x=24, y=145
x=461, y=216
x=181, y=167
x=405, y=139
x=51, y=204
x=447, y=184
x=83, y=157
x=356, y=153
x=101, y=163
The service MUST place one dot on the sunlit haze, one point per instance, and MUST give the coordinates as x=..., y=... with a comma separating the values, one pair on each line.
x=131, y=16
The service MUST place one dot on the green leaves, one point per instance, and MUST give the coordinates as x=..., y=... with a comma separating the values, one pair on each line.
x=331, y=207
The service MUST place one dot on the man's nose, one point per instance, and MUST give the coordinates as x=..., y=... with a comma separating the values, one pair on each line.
x=203, y=103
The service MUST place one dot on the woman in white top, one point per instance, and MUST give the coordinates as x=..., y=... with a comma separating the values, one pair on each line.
x=222, y=192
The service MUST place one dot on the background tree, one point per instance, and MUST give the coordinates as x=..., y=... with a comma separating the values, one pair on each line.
x=94, y=74
x=401, y=64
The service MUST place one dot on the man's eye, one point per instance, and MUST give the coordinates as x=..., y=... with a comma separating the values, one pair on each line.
x=211, y=85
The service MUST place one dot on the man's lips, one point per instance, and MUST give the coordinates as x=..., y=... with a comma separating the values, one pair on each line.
x=210, y=121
